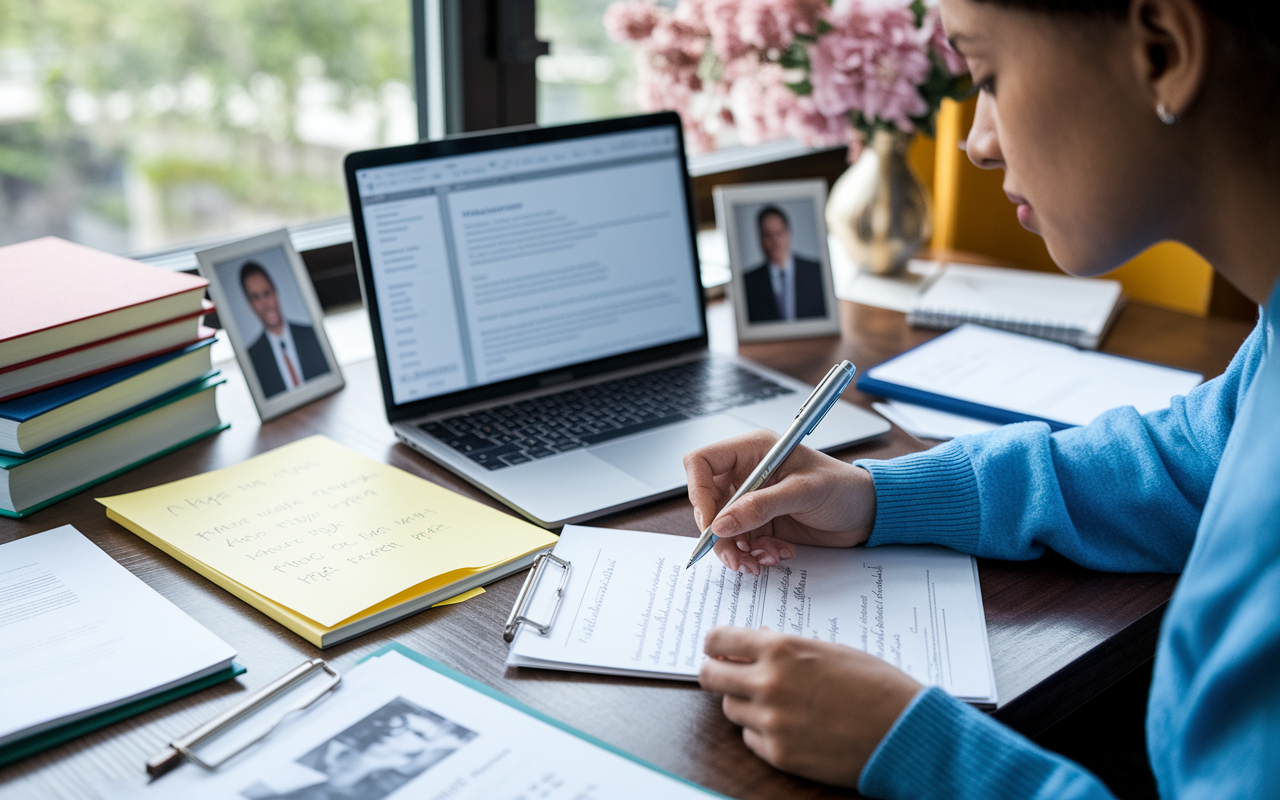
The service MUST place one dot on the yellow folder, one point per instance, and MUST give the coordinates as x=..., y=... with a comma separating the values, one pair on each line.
x=327, y=542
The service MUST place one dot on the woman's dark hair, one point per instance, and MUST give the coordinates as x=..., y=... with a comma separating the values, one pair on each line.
x=1255, y=23
x=1259, y=18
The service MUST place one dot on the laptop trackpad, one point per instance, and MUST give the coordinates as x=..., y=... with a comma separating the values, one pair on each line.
x=657, y=457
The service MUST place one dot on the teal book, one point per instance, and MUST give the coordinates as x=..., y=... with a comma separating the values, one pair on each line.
x=30, y=483
x=64, y=733
x=43, y=420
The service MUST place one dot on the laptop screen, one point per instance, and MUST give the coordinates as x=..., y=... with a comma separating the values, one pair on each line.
x=503, y=263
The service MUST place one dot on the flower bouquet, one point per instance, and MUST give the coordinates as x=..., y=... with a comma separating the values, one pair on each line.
x=861, y=72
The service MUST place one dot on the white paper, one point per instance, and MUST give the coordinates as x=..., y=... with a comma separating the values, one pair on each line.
x=1033, y=376
x=631, y=608
x=397, y=728
x=895, y=293
x=929, y=423
x=81, y=634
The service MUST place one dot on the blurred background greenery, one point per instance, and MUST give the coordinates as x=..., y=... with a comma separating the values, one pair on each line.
x=134, y=126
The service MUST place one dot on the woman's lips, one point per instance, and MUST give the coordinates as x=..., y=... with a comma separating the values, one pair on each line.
x=1026, y=214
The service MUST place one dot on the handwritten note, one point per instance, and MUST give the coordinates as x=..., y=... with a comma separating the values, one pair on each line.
x=325, y=531
x=632, y=608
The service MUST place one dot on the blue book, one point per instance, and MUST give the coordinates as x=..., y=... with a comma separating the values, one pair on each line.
x=30, y=483
x=1006, y=377
x=41, y=421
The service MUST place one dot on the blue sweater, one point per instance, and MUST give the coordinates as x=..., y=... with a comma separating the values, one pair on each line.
x=1193, y=488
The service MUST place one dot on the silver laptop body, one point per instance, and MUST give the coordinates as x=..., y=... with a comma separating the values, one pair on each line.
x=523, y=286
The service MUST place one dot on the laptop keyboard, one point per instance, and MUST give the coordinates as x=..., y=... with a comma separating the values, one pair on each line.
x=555, y=423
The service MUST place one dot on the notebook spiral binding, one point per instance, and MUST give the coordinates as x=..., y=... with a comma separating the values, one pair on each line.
x=943, y=320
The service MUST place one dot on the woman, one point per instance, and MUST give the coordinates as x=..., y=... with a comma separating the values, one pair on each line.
x=1119, y=123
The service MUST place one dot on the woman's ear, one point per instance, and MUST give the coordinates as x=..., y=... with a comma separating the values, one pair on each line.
x=1171, y=53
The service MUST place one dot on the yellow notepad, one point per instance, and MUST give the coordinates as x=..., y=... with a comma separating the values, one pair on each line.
x=327, y=542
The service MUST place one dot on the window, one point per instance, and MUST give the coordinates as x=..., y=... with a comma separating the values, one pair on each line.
x=586, y=75
x=134, y=126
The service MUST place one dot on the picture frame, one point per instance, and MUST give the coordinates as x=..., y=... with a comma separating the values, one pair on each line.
x=258, y=282
x=794, y=300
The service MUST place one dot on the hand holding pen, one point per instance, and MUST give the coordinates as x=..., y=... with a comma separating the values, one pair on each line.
x=814, y=499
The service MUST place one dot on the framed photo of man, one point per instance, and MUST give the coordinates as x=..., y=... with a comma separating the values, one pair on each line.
x=268, y=308
x=777, y=236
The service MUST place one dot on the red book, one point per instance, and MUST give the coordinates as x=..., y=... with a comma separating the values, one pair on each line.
x=57, y=296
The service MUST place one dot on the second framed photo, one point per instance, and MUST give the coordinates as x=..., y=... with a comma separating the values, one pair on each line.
x=777, y=236
x=268, y=307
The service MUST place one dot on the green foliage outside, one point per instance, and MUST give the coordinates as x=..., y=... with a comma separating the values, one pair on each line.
x=165, y=77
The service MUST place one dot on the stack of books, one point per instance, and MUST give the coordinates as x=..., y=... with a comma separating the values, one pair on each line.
x=104, y=365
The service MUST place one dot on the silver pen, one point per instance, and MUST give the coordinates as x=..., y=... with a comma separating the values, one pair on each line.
x=807, y=418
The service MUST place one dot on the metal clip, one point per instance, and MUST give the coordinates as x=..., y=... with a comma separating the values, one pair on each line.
x=528, y=590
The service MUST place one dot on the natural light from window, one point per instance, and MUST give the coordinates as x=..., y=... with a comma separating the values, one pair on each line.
x=135, y=126
x=586, y=75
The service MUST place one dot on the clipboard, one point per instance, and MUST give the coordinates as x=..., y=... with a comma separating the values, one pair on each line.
x=468, y=683
x=519, y=612
x=184, y=747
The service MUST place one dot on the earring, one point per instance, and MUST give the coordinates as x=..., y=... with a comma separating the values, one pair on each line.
x=1166, y=116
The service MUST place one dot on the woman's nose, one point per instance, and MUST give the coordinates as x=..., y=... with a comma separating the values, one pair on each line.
x=983, y=143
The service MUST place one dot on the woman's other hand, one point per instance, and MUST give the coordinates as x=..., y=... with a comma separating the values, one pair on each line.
x=808, y=707
x=811, y=499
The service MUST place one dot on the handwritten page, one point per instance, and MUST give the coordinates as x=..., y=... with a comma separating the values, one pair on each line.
x=631, y=608
x=325, y=531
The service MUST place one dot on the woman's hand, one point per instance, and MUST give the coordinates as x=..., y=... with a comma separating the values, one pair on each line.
x=811, y=499
x=807, y=707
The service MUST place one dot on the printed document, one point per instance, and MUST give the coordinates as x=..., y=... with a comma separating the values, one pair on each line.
x=631, y=608
x=82, y=635
x=397, y=728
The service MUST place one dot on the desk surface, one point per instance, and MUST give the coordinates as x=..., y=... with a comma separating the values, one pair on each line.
x=1059, y=634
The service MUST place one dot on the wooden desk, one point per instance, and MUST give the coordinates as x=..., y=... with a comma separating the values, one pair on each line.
x=1059, y=633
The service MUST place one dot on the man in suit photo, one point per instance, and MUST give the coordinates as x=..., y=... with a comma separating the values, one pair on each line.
x=784, y=286
x=287, y=354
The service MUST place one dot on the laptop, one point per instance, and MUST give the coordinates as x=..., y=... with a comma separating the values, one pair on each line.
x=539, y=320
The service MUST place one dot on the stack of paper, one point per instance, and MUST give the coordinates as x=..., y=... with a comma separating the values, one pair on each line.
x=327, y=542
x=87, y=643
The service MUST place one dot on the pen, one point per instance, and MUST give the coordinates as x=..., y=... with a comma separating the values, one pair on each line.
x=807, y=418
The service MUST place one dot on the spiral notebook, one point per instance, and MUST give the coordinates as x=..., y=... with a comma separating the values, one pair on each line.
x=1074, y=311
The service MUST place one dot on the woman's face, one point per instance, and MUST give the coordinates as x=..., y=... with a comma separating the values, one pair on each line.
x=1064, y=111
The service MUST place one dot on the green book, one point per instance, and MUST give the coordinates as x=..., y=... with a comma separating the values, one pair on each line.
x=64, y=733
x=30, y=483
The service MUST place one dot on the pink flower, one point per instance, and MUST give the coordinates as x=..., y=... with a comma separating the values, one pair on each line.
x=953, y=61
x=761, y=104
x=765, y=108
x=676, y=50
x=631, y=20
x=721, y=19
x=806, y=123
x=773, y=24
x=872, y=61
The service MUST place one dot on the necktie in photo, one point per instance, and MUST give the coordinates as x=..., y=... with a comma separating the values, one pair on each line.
x=293, y=373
